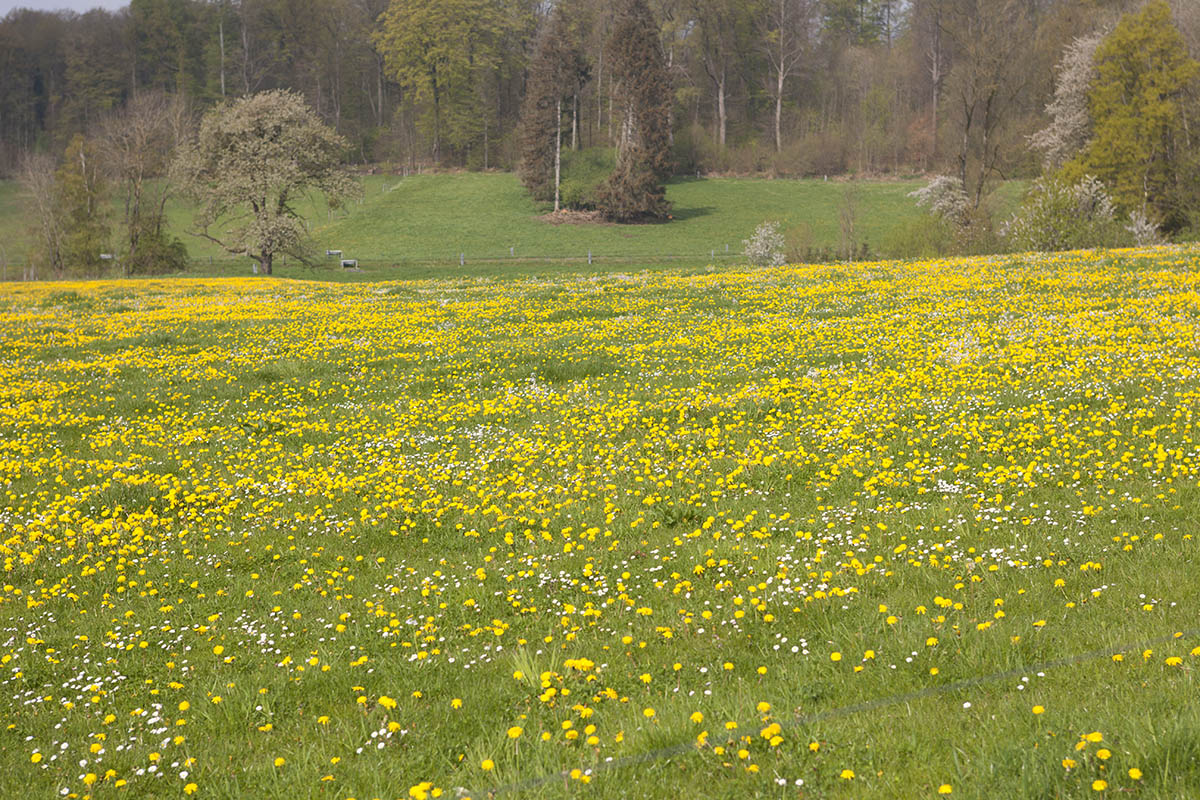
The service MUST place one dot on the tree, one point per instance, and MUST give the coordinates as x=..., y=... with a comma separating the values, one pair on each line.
x=785, y=33
x=554, y=76
x=641, y=107
x=1140, y=103
x=138, y=144
x=79, y=193
x=251, y=161
x=36, y=176
x=722, y=33
x=438, y=49
x=1070, y=123
x=986, y=83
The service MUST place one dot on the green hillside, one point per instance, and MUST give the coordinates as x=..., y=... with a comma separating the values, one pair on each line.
x=487, y=217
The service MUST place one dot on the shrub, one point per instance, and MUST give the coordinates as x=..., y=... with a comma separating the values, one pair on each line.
x=1143, y=229
x=1056, y=215
x=766, y=247
x=926, y=237
x=945, y=198
x=582, y=173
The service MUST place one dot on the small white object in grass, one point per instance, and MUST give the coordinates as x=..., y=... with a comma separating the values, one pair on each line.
x=966, y=705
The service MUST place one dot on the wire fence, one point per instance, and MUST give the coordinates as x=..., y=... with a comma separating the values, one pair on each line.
x=803, y=720
x=22, y=270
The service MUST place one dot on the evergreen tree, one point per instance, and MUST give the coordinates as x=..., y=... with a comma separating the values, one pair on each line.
x=554, y=76
x=1139, y=101
x=642, y=112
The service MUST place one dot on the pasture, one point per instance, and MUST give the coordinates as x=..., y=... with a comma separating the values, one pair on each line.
x=418, y=226
x=892, y=529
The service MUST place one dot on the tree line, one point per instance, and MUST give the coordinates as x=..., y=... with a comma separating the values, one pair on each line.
x=595, y=105
x=785, y=87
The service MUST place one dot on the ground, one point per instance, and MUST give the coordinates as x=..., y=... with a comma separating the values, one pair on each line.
x=416, y=226
x=887, y=530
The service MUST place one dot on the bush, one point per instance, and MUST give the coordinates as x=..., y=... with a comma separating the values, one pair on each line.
x=1143, y=229
x=766, y=247
x=1056, y=215
x=945, y=198
x=582, y=173
x=157, y=253
x=927, y=237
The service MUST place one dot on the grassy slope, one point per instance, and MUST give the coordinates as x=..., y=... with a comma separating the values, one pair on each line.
x=433, y=218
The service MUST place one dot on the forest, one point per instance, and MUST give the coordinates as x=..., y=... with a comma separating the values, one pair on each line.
x=777, y=87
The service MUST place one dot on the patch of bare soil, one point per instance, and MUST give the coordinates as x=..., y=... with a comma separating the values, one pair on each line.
x=569, y=217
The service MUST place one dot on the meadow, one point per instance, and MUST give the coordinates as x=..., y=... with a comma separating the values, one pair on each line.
x=891, y=529
x=416, y=226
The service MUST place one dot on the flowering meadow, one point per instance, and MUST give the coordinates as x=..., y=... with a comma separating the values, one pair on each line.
x=891, y=530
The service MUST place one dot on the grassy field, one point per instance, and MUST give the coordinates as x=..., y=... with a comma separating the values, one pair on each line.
x=889, y=530
x=430, y=219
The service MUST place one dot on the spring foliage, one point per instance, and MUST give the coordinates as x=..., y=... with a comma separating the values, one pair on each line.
x=1139, y=103
x=251, y=161
x=1057, y=215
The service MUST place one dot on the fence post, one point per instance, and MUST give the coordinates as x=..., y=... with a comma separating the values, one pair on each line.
x=589, y=257
x=462, y=258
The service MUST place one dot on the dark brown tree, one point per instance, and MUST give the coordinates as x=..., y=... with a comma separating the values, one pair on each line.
x=642, y=114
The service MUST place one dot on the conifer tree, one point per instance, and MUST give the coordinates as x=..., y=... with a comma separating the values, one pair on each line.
x=554, y=77
x=641, y=110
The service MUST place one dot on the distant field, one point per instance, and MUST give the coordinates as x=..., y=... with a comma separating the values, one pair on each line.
x=431, y=219
x=883, y=530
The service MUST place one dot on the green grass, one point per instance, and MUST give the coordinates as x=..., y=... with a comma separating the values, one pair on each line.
x=425, y=221
x=298, y=538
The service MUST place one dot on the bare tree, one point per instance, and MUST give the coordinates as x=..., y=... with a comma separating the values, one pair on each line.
x=785, y=33
x=36, y=175
x=138, y=144
x=986, y=82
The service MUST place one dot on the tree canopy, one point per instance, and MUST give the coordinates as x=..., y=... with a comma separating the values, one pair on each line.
x=253, y=158
x=1139, y=101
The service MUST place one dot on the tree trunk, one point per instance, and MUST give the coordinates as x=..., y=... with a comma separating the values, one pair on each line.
x=722, y=114
x=557, y=149
x=245, y=58
x=779, y=107
x=221, y=37
x=575, y=121
x=265, y=262
x=437, y=119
